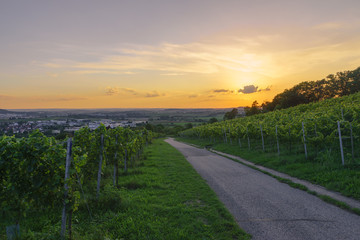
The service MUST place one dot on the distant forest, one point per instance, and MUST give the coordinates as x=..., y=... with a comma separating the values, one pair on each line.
x=333, y=86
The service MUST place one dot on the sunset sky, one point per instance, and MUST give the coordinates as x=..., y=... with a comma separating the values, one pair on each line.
x=168, y=53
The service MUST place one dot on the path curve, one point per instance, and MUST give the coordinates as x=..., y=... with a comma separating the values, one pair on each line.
x=266, y=208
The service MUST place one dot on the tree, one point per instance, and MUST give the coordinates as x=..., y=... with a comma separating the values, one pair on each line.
x=231, y=115
x=213, y=120
x=149, y=127
x=254, y=109
x=334, y=85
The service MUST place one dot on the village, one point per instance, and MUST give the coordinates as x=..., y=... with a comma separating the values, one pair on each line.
x=55, y=127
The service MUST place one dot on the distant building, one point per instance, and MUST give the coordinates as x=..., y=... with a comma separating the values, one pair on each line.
x=93, y=125
x=73, y=129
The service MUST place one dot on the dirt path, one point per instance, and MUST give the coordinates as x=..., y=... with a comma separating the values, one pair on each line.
x=266, y=208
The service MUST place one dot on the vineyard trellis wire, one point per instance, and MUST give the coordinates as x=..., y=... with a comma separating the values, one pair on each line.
x=32, y=169
x=327, y=131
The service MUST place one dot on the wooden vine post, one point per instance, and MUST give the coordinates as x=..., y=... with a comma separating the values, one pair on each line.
x=67, y=167
x=225, y=135
x=341, y=144
x=230, y=137
x=352, y=142
x=304, y=138
x=262, y=138
x=247, y=133
x=116, y=168
x=125, y=160
x=239, y=137
x=290, y=138
x=277, y=140
x=100, y=165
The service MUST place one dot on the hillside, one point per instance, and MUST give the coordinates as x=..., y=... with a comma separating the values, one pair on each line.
x=2, y=111
x=333, y=86
x=318, y=142
x=317, y=123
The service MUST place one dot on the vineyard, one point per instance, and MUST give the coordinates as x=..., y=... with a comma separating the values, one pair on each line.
x=319, y=142
x=38, y=173
x=324, y=131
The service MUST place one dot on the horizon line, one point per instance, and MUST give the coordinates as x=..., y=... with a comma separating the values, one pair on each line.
x=12, y=109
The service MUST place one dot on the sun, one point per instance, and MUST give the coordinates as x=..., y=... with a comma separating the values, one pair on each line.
x=241, y=79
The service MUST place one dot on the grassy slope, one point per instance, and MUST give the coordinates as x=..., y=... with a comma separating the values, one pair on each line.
x=334, y=177
x=163, y=198
x=323, y=165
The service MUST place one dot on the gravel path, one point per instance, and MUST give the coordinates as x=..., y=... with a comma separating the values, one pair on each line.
x=266, y=208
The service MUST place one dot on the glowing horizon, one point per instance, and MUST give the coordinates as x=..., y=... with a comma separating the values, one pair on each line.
x=188, y=54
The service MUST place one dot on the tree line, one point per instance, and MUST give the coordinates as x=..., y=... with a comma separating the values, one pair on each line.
x=333, y=86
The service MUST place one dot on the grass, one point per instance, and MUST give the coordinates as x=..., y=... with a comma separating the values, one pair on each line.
x=225, y=149
x=332, y=176
x=162, y=198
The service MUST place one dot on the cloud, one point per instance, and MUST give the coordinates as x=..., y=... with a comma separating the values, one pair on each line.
x=272, y=53
x=268, y=88
x=172, y=74
x=224, y=91
x=6, y=97
x=59, y=98
x=111, y=91
x=328, y=26
x=40, y=100
x=171, y=59
x=253, y=89
x=88, y=72
x=154, y=94
x=53, y=75
x=63, y=99
x=248, y=89
x=51, y=65
x=129, y=90
x=193, y=96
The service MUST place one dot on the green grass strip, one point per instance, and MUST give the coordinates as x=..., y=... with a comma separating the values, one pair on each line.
x=162, y=198
x=169, y=200
x=325, y=198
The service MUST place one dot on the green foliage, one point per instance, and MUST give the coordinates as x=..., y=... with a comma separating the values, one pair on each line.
x=162, y=130
x=188, y=125
x=285, y=126
x=164, y=198
x=231, y=115
x=30, y=173
x=254, y=109
x=323, y=165
x=32, y=168
x=333, y=86
x=332, y=176
x=213, y=120
x=110, y=199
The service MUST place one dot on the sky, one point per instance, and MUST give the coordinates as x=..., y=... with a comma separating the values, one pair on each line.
x=169, y=53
